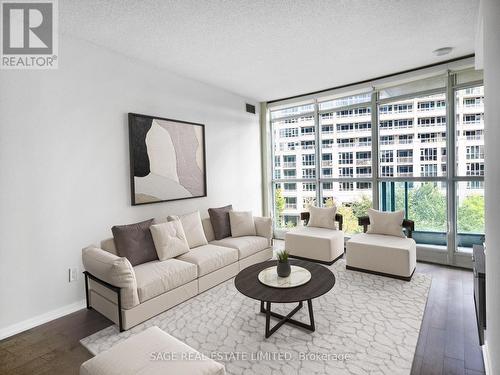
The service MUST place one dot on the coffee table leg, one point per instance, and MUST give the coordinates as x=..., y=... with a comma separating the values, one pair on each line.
x=311, y=315
x=288, y=318
x=268, y=319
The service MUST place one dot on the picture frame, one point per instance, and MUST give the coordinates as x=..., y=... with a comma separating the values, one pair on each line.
x=167, y=159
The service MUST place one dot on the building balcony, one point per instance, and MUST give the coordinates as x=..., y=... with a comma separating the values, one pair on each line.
x=405, y=174
x=290, y=164
x=363, y=161
x=346, y=144
x=478, y=137
x=432, y=140
x=326, y=163
x=405, y=159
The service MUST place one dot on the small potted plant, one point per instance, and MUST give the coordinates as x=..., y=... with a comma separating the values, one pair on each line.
x=283, y=267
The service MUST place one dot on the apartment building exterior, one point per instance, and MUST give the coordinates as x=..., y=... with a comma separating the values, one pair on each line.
x=412, y=143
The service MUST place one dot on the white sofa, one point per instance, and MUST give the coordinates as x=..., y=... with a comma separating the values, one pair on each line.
x=383, y=255
x=152, y=352
x=130, y=295
x=321, y=245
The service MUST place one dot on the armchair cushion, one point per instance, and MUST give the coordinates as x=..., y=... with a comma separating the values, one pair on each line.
x=114, y=270
x=387, y=223
x=322, y=217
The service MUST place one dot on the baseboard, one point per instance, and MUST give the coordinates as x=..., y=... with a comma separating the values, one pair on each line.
x=486, y=359
x=40, y=319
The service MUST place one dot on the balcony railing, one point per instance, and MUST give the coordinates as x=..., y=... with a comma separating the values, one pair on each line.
x=326, y=163
x=405, y=159
x=289, y=164
x=432, y=140
x=363, y=161
x=477, y=137
x=405, y=141
x=346, y=144
x=405, y=174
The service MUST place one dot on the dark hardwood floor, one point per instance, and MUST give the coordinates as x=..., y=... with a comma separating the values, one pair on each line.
x=448, y=342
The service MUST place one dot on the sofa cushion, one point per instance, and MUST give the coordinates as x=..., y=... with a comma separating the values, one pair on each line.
x=134, y=242
x=210, y=258
x=155, y=278
x=242, y=223
x=246, y=245
x=322, y=217
x=219, y=217
x=169, y=239
x=146, y=353
x=191, y=223
x=388, y=223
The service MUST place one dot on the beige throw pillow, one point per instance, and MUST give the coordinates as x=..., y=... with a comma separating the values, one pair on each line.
x=191, y=223
x=322, y=217
x=388, y=223
x=242, y=223
x=170, y=239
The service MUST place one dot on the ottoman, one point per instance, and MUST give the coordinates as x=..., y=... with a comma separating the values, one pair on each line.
x=317, y=244
x=151, y=352
x=382, y=255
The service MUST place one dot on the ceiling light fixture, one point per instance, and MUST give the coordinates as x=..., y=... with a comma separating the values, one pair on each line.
x=442, y=51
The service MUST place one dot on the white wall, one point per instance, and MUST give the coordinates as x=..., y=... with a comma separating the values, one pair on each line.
x=64, y=164
x=491, y=37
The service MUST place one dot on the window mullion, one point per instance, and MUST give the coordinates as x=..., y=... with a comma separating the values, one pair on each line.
x=318, y=154
x=375, y=169
x=450, y=168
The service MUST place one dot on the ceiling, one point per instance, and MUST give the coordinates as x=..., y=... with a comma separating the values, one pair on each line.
x=270, y=49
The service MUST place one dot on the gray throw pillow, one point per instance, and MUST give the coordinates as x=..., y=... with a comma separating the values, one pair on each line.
x=219, y=217
x=134, y=242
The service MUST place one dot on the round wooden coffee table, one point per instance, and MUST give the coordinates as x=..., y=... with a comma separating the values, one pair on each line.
x=321, y=282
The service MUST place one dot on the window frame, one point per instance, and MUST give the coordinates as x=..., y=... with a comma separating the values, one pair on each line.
x=449, y=160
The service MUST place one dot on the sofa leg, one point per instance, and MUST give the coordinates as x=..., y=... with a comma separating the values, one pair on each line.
x=87, y=291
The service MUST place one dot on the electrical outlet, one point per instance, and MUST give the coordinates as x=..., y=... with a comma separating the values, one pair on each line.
x=73, y=274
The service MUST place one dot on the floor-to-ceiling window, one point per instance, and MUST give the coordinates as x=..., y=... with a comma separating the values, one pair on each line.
x=417, y=146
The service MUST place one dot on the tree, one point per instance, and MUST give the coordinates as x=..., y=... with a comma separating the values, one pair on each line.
x=471, y=214
x=351, y=211
x=426, y=206
x=279, y=202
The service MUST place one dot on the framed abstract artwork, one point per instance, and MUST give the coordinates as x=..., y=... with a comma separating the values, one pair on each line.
x=167, y=159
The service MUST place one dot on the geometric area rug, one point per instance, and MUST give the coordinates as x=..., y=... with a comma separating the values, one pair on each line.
x=367, y=324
